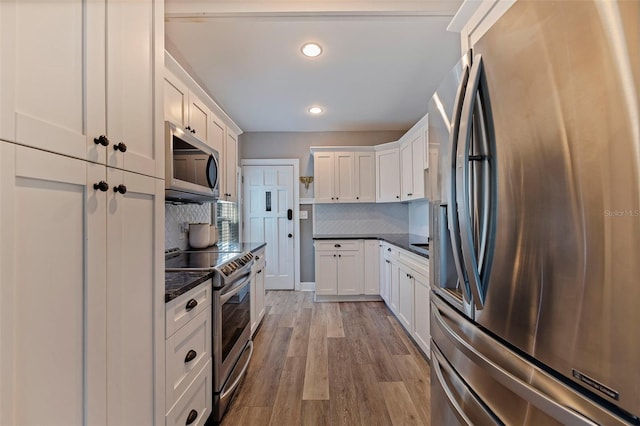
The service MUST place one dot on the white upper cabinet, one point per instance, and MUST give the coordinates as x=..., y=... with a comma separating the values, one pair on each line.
x=184, y=108
x=229, y=188
x=198, y=118
x=365, y=176
x=343, y=176
x=64, y=91
x=412, y=160
x=406, y=174
x=388, y=175
x=216, y=133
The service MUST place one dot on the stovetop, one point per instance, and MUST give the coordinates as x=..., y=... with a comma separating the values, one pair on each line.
x=198, y=259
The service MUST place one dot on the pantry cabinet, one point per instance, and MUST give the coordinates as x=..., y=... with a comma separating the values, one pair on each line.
x=339, y=267
x=71, y=84
x=81, y=290
x=343, y=176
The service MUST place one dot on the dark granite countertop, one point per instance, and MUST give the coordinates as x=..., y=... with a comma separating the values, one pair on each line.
x=180, y=282
x=404, y=241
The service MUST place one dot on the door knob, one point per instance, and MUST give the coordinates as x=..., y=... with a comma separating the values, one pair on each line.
x=290, y=235
x=101, y=140
x=102, y=186
x=120, y=147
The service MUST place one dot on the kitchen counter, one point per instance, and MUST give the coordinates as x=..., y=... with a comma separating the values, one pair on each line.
x=404, y=241
x=179, y=282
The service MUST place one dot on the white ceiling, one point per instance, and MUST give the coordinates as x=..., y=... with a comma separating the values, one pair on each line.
x=378, y=69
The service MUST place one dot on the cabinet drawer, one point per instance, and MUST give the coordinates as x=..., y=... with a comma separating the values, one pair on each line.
x=390, y=251
x=198, y=398
x=259, y=261
x=191, y=341
x=418, y=263
x=177, y=311
x=338, y=245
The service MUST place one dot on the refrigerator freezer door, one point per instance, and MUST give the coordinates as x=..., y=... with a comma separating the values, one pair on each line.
x=564, y=83
x=514, y=390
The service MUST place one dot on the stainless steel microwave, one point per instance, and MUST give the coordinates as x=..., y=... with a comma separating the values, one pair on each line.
x=192, y=171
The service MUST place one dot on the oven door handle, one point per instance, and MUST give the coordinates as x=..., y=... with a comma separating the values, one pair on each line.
x=235, y=289
x=244, y=369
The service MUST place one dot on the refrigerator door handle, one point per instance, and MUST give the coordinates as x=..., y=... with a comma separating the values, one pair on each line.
x=452, y=216
x=542, y=401
x=463, y=187
x=440, y=366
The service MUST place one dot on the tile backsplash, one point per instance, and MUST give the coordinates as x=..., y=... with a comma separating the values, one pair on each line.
x=175, y=218
x=383, y=218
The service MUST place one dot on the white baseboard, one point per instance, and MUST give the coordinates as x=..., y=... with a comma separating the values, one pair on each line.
x=308, y=286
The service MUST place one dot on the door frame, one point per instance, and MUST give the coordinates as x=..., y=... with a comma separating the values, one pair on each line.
x=295, y=162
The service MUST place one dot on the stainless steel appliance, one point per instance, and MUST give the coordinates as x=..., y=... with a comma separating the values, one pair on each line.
x=536, y=221
x=231, y=311
x=191, y=167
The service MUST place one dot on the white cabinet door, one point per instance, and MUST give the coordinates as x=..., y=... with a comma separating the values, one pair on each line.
x=135, y=295
x=176, y=100
x=365, y=175
x=260, y=293
x=198, y=118
x=326, y=273
x=406, y=172
x=405, y=297
x=421, y=331
x=388, y=175
x=324, y=172
x=385, y=277
x=230, y=192
x=131, y=84
x=371, y=267
x=216, y=134
x=344, y=189
x=417, y=166
x=350, y=273
x=52, y=87
x=394, y=285
x=52, y=289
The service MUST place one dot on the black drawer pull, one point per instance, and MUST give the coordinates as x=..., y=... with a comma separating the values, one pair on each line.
x=389, y=249
x=193, y=415
x=191, y=355
x=191, y=304
x=337, y=245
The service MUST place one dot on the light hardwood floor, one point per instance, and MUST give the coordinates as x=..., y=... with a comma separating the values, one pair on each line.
x=347, y=363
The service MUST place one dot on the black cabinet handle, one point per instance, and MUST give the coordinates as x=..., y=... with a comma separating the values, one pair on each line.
x=357, y=198
x=339, y=255
x=334, y=255
x=397, y=196
x=193, y=415
x=191, y=304
x=120, y=188
x=102, y=186
x=337, y=198
x=332, y=198
x=188, y=128
x=120, y=147
x=389, y=249
x=101, y=140
x=337, y=245
x=259, y=272
x=193, y=131
x=257, y=257
x=191, y=355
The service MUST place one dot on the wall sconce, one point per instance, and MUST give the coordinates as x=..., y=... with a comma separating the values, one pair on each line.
x=306, y=180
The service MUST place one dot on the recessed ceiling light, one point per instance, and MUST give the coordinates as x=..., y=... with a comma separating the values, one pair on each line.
x=311, y=49
x=315, y=110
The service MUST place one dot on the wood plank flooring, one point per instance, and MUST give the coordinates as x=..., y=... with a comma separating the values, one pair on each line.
x=347, y=363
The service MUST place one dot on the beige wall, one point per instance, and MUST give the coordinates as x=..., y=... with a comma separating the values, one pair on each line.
x=297, y=144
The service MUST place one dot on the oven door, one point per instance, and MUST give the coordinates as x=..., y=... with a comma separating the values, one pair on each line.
x=232, y=326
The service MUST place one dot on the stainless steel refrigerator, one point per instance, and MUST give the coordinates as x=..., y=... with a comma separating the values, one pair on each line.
x=535, y=220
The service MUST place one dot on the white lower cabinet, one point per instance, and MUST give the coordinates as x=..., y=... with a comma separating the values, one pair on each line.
x=421, y=295
x=81, y=292
x=339, y=267
x=188, y=357
x=405, y=297
x=371, y=267
x=258, y=271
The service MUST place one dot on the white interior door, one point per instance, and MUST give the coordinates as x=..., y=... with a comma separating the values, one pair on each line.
x=268, y=196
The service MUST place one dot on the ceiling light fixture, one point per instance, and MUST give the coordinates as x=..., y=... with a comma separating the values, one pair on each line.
x=315, y=110
x=311, y=50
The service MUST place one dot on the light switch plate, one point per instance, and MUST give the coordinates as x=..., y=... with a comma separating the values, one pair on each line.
x=304, y=214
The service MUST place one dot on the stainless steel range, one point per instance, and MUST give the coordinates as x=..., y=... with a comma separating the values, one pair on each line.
x=231, y=311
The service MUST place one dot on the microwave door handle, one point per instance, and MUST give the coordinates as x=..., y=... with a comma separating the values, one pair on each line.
x=452, y=216
x=463, y=187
